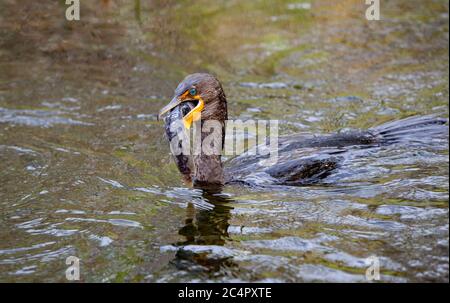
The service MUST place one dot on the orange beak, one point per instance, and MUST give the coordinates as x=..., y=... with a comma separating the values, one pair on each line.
x=193, y=115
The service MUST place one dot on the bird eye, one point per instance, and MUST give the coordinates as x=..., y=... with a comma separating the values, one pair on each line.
x=193, y=92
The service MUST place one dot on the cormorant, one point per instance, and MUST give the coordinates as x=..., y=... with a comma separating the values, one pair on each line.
x=302, y=159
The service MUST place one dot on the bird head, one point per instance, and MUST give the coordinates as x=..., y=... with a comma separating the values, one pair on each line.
x=206, y=95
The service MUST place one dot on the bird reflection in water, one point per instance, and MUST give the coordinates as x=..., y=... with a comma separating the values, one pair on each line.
x=205, y=231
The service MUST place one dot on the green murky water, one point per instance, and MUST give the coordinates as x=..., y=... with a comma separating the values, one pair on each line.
x=85, y=169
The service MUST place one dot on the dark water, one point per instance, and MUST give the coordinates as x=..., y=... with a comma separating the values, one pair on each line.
x=85, y=170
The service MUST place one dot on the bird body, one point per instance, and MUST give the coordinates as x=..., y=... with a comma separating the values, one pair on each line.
x=301, y=159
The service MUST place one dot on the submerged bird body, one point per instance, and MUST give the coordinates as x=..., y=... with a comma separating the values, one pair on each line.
x=302, y=159
x=306, y=159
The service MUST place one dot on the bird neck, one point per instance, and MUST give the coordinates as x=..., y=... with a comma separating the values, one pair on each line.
x=208, y=168
x=207, y=160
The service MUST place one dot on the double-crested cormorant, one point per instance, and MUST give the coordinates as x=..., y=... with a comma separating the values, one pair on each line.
x=302, y=159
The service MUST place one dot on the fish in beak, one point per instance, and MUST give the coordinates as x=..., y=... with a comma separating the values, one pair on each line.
x=191, y=116
x=177, y=135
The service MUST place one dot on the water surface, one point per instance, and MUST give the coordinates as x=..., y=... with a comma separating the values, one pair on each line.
x=85, y=169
